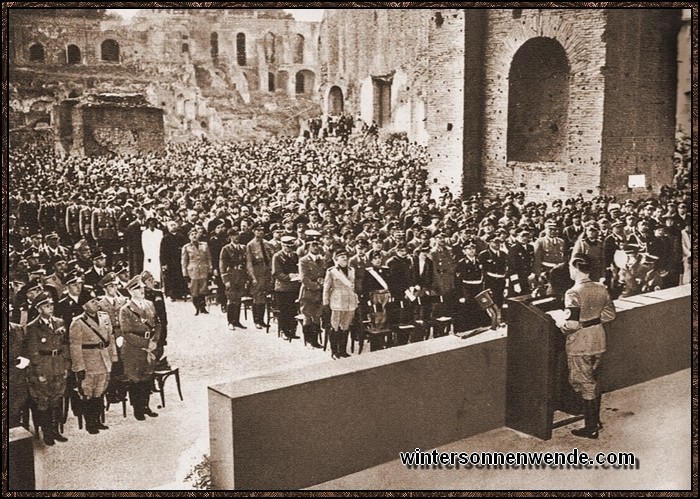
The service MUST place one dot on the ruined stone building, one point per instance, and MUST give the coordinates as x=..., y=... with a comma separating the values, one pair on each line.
x=224, y=74
x=551, y=102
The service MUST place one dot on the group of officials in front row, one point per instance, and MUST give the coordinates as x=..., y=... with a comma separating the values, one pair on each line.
x=74, y=354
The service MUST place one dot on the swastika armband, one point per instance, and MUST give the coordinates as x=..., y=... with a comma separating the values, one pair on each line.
x=573, y=314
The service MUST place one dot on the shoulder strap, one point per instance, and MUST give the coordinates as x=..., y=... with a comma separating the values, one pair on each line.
x=84, y=319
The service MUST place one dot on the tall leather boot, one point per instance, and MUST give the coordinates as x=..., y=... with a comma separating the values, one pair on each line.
x=203, y=304
x=233, y=314
x=343, y=343
x=590, y=430
x=333, y=340
x=146, y=397
x=137, y=401
x=89, y=416
x=44, y=419
x=311, y=336
x=98, y=405
x=195, y=302
x=56, y=416
x=596, y=412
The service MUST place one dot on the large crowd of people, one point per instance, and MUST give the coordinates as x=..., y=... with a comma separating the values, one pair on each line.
x=345, y=237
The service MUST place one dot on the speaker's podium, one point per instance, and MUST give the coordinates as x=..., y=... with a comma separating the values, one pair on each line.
x=537, y=374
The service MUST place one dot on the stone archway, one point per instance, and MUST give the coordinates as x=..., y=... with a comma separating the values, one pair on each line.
x=336, y=101
x=538, y=102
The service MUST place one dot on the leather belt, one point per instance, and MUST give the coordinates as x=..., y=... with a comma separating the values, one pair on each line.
x=592, y=322
x=472, y=282
x=496, y=276
x=144, y=334
x=550, y=265
x=93, y=346
x=51, y=353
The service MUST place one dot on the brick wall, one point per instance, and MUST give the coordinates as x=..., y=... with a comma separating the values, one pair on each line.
x=640, y=96
x=580, y=33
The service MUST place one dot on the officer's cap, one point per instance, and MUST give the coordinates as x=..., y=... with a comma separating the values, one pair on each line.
x=340, y=252
x=288, y=240
x=86, y=297
x=312, y=235
x=73, y=278
x=98, y=254
x=109, y=278
x=52, y=236
x=41, y=299
x=135, y=283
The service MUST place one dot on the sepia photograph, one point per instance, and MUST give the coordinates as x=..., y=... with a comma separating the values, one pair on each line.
x=396, y=247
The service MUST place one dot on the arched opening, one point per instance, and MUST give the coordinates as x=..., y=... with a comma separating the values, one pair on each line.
x=335, y=101
x=269, y=46
x=73, y=54
x=110, y=51
x=36, y=53
x=185, y=48
x=538, y=101
x=381, y=103
x=304, y=82
x=240, y=49
x=298, y=50
x=214, y=45
x=270, y=82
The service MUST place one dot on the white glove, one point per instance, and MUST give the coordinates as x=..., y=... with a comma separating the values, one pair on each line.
x=120, y=341
x=462, y=300
x=23, y=362
x=152, y=345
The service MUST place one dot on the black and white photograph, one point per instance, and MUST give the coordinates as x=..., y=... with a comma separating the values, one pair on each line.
x=395, y=247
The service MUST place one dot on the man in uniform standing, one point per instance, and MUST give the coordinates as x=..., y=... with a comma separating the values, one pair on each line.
x=520, y=259
x=312, y=270
x=196, y=268
x=470, y=281
x=258, y=265
x=48, y=367
x=588, y=307
x=443, y=282
x=233, y=275
x=339, y=295
x=548, y=250
x=494, y=265
x=17, y=376
x=141, y=331
x=285, y=271
x=92, y=351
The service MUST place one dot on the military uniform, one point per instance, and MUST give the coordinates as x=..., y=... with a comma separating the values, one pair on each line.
x=196, y=265
x=520, y=261
x=470, y=279
x=141, y=331
x=286, y=290
x=312, y=270
x=494, y=266
x=443, y=286
x=47, y=372
x=548, y=253
x=233, y=275
x=93, y=350
x=588, y=307
x=258, y=266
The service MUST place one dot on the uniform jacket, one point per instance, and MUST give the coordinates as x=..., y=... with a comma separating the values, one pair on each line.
x=47, y=339
x=283, y=265
x=547, y=250
x=82, y=332
x=339, y=289
x=136, y=323
x=425, y=278
x=256, y=264
x=232, y=265
x=17, y=382
x=400, y=276
x=588, y=300
x=196, y=261
x=112, y=308
x=443, y=271
x=312, y=272
x=494, y=263
x=520, y=260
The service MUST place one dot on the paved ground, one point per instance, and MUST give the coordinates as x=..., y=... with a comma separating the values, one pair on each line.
x=651, y=419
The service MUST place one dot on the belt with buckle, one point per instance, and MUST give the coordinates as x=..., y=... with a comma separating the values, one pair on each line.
x=549, y=265
x=496, y=276
x=93, y=346
x=51, y=353
x=144, y=334
x=472, y=282
x=592, y=322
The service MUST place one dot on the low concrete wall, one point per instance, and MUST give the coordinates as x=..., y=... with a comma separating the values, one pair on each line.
x=650, y=337
x=20, y=464
x=294, y=429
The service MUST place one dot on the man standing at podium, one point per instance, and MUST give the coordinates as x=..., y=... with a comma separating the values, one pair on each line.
x=588, y=306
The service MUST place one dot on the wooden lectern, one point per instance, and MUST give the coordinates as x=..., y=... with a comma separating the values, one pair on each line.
x=537, y=374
